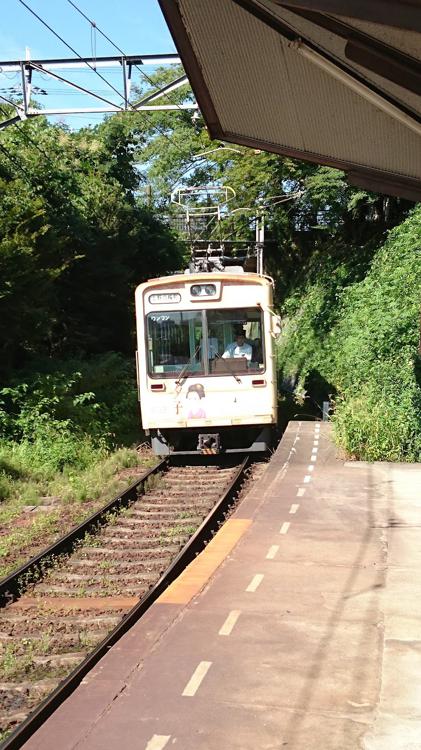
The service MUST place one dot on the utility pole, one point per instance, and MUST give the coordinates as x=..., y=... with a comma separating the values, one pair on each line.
x=148, y=193
x=260, y=239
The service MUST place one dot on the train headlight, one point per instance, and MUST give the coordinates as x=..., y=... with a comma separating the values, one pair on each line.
x=203, y=290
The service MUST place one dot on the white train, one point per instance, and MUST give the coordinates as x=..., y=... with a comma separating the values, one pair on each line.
x=205, y=362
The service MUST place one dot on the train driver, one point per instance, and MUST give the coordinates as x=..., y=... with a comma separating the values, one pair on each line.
x=238, y=348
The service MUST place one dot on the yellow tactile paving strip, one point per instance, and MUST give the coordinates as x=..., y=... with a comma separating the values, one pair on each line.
x=196, y=575
x=187, y=585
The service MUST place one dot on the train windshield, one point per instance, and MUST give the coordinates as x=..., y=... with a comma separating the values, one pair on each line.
x=235, y=342
x=175, y=343
x=205, y=342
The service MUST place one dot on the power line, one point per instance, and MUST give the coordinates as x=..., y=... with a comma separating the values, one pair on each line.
x=70, y=48
x=95, y=25
x=9, y=101
x=92, y=23
x=16, y=163
x=29, y=139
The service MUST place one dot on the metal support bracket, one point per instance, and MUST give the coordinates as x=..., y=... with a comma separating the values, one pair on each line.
x=126, y=63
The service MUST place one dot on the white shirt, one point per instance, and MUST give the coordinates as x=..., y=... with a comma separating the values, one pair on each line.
x=235, y=350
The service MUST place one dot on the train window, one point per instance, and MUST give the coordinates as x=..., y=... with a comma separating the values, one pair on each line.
x=235, y=340
x=174, y=343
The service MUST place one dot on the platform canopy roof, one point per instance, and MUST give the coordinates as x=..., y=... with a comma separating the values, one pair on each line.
x=334, y=82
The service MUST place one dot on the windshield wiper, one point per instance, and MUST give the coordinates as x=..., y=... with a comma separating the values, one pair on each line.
x=184, y=374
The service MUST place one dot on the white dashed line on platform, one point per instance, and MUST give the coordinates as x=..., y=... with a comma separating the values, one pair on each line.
x=196, y=679
x=310, y=468
x=307, y=478
x=301, y=491
x=284, y=528
x=294, y=507
x=230, y=622
x=158, y=742
x=255, y=582
x=313, y=458
x=272, y=551
x=314, y=451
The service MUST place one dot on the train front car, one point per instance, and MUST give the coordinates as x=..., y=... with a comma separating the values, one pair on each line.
x=206, y=364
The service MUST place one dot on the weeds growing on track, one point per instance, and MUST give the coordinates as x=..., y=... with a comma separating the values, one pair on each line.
x=27, y=527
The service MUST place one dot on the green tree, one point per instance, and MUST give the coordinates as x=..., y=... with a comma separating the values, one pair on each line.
x=75, y=239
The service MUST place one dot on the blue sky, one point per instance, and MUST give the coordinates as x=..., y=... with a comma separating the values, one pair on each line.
x=136, y=26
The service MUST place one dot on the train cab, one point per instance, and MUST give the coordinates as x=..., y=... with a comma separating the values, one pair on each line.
x=205, y=362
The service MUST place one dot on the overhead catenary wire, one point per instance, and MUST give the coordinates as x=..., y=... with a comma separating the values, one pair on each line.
x=88, y=64
x=15, y=162
x=29, y=139
x=93, y=24
x=58, y=36
x=96, y=27
x=9, y=101
x=22, y=2
x=142, y=73
x=65, y=80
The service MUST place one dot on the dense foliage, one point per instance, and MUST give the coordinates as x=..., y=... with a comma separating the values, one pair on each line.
x=75, y=239
x=66, y=409
x=358, y=340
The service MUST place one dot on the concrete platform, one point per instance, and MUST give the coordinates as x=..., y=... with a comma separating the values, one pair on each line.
x=298, y=627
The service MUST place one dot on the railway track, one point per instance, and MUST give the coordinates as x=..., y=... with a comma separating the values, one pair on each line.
x=85, y=591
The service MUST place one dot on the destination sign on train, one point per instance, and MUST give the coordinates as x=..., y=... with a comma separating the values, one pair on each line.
x=156, y=299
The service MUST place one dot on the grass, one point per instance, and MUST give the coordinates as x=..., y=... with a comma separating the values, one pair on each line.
x=18, y=665
x=23, y=538
x=180, y=531
x=76, y=495
x=154, y=482
x=105, y=565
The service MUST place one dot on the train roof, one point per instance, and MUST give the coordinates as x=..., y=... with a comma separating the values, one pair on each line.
x=240, y=278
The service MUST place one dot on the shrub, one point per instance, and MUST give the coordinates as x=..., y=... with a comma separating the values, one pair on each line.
x=360, y=339
x=69, y=414
x=93, y=397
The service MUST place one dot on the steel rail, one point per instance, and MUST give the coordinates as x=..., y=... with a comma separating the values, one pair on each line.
x=11, y=586
x=195, y=544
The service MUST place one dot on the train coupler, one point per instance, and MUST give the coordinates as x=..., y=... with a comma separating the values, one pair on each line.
x=209, y=444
